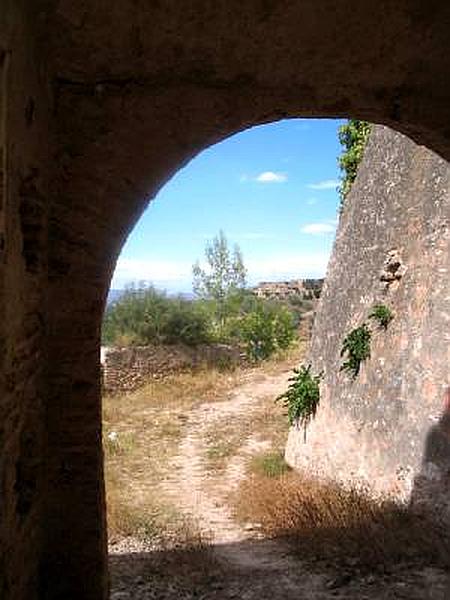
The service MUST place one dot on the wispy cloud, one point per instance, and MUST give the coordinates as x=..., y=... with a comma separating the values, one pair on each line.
x=326, y=184
x=311, y=201
x=271, y=177
x=318, y=228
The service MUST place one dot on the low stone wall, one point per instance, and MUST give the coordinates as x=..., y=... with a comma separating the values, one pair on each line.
x=125, y=369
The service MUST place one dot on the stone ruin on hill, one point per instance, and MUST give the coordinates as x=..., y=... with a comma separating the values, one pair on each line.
x=305, y=289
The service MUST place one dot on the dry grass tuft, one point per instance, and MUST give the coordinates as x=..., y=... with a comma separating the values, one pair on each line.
x=325, y=521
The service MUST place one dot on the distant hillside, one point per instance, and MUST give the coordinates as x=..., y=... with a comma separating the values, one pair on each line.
x=113, y=295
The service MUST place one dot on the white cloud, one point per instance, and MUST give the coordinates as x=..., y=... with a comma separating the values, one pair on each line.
x=318, y=228
x=311, y=201
x=327, y=184
x=271, y=177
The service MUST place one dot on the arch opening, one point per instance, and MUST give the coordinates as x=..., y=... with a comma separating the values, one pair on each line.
x=245, y=549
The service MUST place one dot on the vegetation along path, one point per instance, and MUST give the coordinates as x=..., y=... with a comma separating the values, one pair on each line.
x=196, y=546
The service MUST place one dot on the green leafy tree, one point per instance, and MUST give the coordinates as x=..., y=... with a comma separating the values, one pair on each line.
x=352, y=137
x=224, y=276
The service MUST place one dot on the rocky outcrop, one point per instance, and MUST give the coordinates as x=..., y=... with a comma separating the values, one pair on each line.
x=392, y=248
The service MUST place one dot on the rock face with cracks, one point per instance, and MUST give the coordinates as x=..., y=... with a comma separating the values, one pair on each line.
x=100, y=104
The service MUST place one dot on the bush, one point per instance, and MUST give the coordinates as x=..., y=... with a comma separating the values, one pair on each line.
x=302, y=396
x=267, y=328
x=145, y=315
x=186, y=322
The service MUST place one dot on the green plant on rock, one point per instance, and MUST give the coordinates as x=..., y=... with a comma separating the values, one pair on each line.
x=356, y=346
x=302, y=396
x=352, y=137
x=382, y=314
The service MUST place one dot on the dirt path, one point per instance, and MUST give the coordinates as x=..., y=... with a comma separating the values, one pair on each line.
x=244, y=564
x=203, y=494
x=200, y=492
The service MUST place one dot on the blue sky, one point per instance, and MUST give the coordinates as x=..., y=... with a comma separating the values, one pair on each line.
x=271, y=189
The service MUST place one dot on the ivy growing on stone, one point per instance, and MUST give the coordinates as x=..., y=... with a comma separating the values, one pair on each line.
x=352, y=137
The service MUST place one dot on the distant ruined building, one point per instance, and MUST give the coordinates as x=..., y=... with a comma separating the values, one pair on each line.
x=305, y=289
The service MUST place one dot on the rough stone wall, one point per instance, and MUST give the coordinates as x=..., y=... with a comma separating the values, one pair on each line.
x=125, y=369
x=382, y=427
x=24, y=151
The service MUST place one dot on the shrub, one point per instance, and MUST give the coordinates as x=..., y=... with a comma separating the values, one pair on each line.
x=357, y=347
x=267, y=328
x=302, y=396
x=382, y=314
x=186, y=322
x=145, y=315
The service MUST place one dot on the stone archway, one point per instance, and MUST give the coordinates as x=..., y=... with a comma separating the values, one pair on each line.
x=103, y=102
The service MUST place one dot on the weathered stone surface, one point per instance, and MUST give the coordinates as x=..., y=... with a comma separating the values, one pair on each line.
x=392, y=248
x=100, y=104
x=24, y=203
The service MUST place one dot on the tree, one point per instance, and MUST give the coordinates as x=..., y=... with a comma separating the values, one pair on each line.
x=224, y=276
